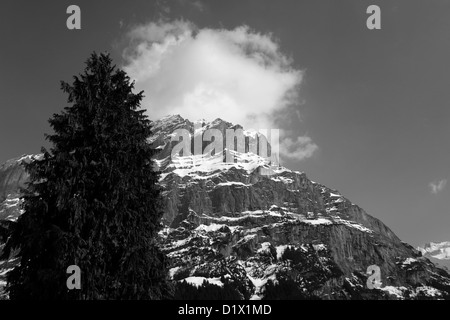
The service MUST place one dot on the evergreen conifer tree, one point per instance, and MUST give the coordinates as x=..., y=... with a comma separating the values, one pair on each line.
x=93, y=199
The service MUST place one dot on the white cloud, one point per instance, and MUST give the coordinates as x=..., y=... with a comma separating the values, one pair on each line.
x=163, y=7
x=238, y=75
x=300, y=148
x=196, y=4
x=437, y=186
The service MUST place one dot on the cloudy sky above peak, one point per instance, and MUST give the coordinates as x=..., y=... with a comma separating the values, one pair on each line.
x=365, y=112
x=438, y=186
x=204, y=73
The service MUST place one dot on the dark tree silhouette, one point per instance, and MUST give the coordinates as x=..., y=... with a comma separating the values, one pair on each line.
x=93, y=200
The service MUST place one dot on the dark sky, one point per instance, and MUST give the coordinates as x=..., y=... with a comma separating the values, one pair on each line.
x=375, y=102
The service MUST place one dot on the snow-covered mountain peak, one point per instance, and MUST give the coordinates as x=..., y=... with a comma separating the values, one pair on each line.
x=170, y=130
x=251, y=224
x=439, y=250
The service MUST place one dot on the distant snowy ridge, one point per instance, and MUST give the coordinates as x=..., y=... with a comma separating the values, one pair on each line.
x=439, y=250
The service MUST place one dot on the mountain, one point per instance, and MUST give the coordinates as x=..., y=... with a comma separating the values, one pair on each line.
x=264, y=231
x=438, y=253
x=13, y=177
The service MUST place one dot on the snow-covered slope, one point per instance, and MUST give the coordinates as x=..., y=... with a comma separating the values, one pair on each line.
x=253, y=223
x=235, y=220
x=436, y=250
x=438, y=253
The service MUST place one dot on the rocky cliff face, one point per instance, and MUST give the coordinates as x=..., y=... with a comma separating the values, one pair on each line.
x=13, y=177
x=253, y=223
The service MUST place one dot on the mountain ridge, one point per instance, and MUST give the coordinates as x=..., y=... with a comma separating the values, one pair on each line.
x=256, y=224
x=438, y=253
